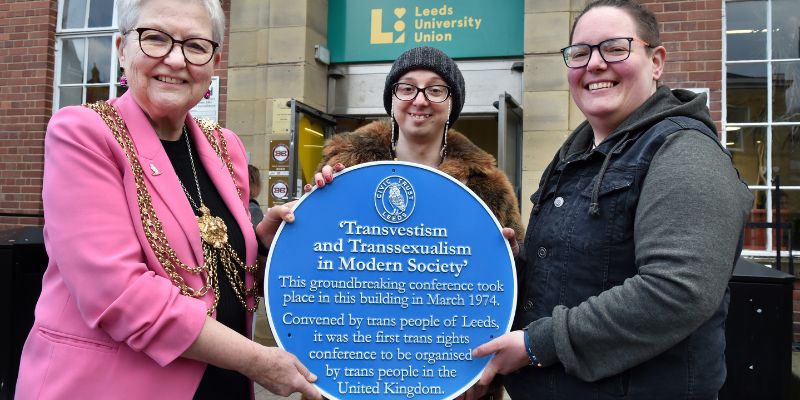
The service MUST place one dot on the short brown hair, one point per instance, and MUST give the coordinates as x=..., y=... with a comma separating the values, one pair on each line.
x=645, y=20
x=253, y=175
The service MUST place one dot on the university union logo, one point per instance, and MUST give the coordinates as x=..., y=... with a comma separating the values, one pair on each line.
x=378, y=36
x=395, y=199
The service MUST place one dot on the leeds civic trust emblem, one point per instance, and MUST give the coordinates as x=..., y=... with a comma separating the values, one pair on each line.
x=395, y=199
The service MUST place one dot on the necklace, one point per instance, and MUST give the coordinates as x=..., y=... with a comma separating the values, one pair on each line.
x=216, y=248
x=211, y=228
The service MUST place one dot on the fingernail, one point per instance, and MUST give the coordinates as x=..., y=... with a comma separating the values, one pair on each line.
x=329, y=178
x=290, y=218
x=339, y=166
x=319, y=182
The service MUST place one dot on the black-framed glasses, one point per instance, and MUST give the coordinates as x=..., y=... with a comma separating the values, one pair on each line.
x=155, y=43
x=409, y=92
x=611, y=50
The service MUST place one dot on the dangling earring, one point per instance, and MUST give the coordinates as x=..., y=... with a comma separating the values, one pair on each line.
x=123, y=81
x=393, y=139
x=207, y=95
x=443, y=151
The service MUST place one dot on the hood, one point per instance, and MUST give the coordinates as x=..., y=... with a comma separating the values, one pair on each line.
x=667, y=103
x=662, y=104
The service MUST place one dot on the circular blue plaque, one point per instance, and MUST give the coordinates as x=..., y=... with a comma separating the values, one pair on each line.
x=388, y=278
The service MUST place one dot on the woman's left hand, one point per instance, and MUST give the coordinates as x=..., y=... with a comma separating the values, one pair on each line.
x=509, y=356
x=266, y=229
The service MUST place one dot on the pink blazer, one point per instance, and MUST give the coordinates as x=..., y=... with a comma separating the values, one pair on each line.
x=109, y=322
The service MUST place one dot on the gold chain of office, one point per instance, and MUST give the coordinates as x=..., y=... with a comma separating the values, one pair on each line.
x=214, y=249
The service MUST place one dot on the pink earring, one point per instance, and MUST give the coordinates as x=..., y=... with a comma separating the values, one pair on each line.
x=123, y=81
x=207, y=95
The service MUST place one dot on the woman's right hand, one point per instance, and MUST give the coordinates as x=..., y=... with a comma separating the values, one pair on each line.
x=511, y=236
x=282, y=373
x=271, y=367
x=266, y=229
x=324, y=176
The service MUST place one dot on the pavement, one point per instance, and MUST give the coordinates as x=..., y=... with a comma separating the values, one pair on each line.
x=264, y=394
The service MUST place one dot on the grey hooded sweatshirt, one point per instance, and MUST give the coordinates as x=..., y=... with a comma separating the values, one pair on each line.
x=684, y=222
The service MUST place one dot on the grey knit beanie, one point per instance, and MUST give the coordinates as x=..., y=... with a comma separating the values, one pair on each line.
x=431, y=59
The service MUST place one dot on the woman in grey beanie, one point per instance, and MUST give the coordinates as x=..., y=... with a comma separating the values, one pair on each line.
x=415, y=65
x=424, y=95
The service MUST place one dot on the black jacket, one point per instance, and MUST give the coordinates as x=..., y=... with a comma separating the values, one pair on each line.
x=627, y=257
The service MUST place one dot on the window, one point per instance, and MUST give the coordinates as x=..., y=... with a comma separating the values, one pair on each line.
x=86, y=62
x=762, y=116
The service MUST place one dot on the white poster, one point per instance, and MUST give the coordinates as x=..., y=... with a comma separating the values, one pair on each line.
x=209, y=108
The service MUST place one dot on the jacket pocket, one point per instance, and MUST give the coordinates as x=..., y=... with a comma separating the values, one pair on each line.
x=603, y=243
x=541, y=194
x=612, y=182
x=77, y=341
x=537, y=199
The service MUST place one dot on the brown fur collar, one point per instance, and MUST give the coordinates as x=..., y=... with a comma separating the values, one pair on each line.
x=465, y=162
x=372, y=142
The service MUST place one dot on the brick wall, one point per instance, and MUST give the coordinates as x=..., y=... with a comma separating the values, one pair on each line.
x=222, y=70
x=796, y=313
x=27, y=39
x=692, y=34
x=27, y=45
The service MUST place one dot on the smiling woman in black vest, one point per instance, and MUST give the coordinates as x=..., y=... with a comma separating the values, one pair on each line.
x=634, y=233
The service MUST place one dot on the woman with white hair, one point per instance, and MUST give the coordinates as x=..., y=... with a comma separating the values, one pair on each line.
x=149, y=290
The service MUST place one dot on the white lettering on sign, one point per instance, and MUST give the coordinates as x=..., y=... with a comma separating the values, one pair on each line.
x=426, y=23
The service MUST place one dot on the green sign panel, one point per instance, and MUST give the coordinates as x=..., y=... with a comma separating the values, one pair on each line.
x=379, y=30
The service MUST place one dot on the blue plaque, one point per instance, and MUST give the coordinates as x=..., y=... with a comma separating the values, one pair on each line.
x=387, y=279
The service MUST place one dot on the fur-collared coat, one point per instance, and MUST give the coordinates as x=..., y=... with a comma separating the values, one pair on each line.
x=465, y=162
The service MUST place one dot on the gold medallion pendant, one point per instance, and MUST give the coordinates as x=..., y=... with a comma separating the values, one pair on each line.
x=212, y=229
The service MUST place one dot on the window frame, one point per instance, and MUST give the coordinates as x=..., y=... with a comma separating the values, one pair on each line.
x=84, y=33
x=769, y=124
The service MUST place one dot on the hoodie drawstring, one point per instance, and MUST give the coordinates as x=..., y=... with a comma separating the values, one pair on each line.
x=594, y=206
